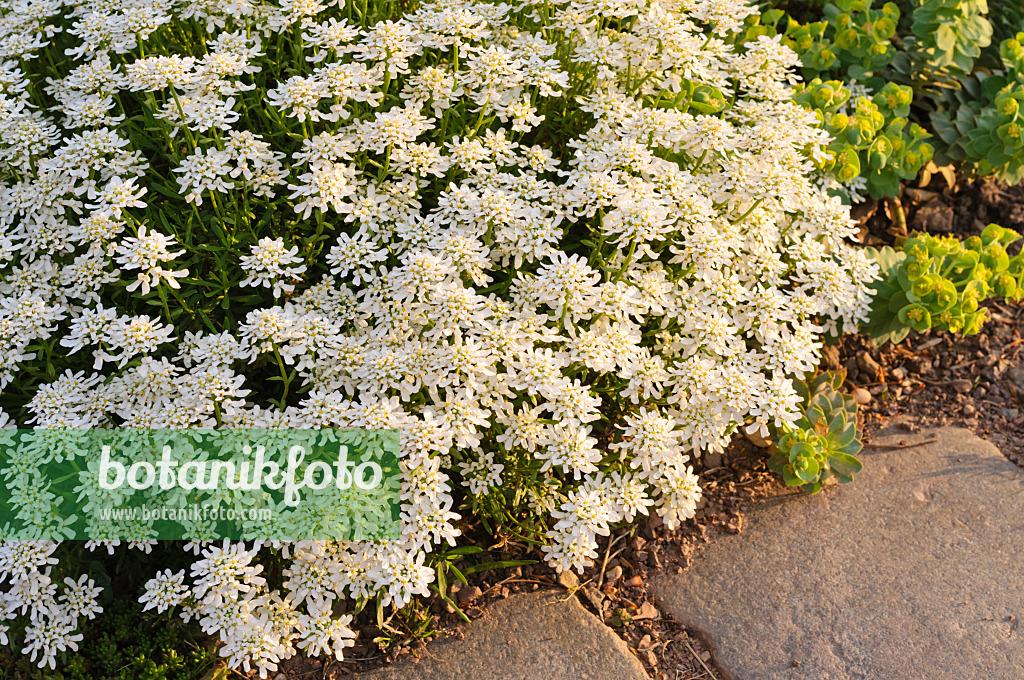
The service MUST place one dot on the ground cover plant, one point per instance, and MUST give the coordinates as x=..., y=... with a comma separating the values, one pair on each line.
x=563, y=247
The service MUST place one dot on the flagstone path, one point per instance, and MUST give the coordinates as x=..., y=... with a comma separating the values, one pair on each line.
x=915, y=570
x=539, y=636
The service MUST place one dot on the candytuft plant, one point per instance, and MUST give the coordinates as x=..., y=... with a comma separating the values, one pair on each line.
x=565, y=248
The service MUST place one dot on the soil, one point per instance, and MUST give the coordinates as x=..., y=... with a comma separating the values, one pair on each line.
x=937, y=379
x=961, y=211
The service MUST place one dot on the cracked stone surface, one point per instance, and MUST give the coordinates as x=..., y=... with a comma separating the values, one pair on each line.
x=915, y=570
x=526, y=637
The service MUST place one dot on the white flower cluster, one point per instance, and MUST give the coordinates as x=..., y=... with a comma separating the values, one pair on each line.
x=52, y=608
x=562, y=247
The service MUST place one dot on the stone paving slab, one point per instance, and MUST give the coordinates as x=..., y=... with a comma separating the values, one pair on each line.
x=915, y=570
x=537, y=636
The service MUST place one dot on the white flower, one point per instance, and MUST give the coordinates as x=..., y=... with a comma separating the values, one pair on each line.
x=300, y=97
x=325, y=186
x=165, y=590
x=323, y=633
x=117, y=195
x=79, y=599
x=146, y=252
x=273, y=266
x=224, y=573
x=205, y=171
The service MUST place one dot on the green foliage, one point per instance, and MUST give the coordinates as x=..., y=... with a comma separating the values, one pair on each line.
x=862, y=36
x=1007, y=17
x=950, y=33
x=875, y=140
x=982, y=124
x=821, y=447
x=924, y=61
x=124, y=643
x=939, y=282
x=852, y=39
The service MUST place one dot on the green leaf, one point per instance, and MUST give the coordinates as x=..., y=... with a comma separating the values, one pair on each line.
x=790, y=478
x=464, y=550
x=845, y=436
x=945, y=38
x=812, y=488
x=898, y=301
x=844, y=464
x=458, y=574
x=806, y=469
x=801, y=451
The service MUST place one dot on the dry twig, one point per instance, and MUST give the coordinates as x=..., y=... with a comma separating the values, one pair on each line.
x=697, y=657
x=900, y=446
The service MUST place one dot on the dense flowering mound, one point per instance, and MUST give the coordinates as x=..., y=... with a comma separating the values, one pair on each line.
x=561, y=246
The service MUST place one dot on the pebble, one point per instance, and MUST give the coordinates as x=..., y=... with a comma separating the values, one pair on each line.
x=593, y=595
x=613, y=575
x=861, y=396
x=568, y=580
x=468, y=594
x=868, y=364
x=634, y=582
x=922, y=365
x=646, y=611
x=962, y=386
x=898, y=373
x=969, y=410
